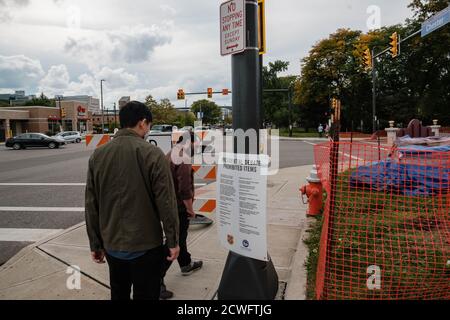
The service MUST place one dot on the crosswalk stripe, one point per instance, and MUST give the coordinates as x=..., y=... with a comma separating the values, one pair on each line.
x=26, y=235
x=42, y=209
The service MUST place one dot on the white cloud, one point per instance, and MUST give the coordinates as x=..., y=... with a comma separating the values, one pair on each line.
x=19, y=72
x=7, y=6
x=57, y=82
x=125, y=45
x=168, y=9
x=57, y=78
x=173, y=44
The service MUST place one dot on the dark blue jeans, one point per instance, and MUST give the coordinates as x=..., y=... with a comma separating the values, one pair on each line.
x=143, y=274
x=184, y=259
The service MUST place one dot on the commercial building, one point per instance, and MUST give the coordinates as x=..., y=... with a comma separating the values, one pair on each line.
x=93, y=104
x=72, y=115
x=17, y=98
x=123, y=101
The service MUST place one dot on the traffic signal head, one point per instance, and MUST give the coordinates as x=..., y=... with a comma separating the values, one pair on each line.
x=210, y=93
x=225, y=92
x=394, y=45
x=63, y=112
x=180, y=94
x=368, y=59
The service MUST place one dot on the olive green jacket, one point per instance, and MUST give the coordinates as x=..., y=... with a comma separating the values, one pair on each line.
x=129, y=192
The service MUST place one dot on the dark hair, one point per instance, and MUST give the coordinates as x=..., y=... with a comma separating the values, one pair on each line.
x=181, y=138
x=132, y=113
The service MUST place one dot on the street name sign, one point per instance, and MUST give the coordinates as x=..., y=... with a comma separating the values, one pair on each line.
x=232, y=27
x=435, y=22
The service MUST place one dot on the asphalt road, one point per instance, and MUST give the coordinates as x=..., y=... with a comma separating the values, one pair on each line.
x=35, y=181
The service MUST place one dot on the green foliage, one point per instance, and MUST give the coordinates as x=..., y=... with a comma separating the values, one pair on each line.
x=164, y=112
x=211, y=111
x=42, y=100
x=414, y=85
x=276, y=104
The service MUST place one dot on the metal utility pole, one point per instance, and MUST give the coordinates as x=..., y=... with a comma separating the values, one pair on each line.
x=115, y=116
x=245, y=278
x=374, y=93
x=60, y=112
x=101, y=98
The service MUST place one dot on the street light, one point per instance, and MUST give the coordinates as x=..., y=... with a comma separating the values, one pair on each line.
x=60, y=111
x=101, y=98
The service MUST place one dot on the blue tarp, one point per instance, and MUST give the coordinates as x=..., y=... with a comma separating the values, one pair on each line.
x=406, y=179
x=423, y=149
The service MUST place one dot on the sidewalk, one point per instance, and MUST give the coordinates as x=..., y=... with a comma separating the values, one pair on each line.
x=39, y=271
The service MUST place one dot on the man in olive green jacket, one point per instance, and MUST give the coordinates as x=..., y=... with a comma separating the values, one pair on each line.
x=130, y=199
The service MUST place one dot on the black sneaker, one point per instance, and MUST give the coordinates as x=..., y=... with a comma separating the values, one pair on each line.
x=165, y=294
x=189, y=269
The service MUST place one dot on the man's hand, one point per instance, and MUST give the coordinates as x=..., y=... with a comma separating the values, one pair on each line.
x=191, y=213
x=98, y=256
x=174, y=252
x=189, y=207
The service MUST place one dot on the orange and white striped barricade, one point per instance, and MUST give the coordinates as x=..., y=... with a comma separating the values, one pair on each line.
x=202, y=205
x=205, y=207
x=93, y=141
x=204, y=172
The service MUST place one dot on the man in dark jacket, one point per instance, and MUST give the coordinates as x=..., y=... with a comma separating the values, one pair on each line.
x=129, y=192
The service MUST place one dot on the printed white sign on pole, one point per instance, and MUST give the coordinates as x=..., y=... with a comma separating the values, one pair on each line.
x=241, y=204
x=232, y=27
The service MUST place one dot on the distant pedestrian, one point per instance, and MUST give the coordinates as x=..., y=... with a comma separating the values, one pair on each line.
x=130, y=200
x=320, y=130
x=183, y=179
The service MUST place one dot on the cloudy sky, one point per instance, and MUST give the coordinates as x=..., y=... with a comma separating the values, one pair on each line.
x=143, y=47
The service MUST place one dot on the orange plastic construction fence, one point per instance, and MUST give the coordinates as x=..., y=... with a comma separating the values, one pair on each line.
x=386, y=231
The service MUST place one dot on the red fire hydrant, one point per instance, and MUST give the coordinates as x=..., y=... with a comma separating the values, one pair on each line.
x=314, y=192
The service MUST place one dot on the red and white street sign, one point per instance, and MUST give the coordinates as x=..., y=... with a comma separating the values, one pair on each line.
x=232, y=27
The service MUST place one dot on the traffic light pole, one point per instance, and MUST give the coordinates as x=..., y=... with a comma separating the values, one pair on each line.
x=374, y=93
x=245, y=278
x=374, y=77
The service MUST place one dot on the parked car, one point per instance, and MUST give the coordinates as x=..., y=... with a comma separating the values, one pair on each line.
x=228, y=130
x=161, y=128
x=70, y=136
x=32, y=140
x=203, y=128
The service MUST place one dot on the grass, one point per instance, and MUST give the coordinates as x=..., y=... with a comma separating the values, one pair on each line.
x=312, y=242
x=407, y=237
x=299, y=133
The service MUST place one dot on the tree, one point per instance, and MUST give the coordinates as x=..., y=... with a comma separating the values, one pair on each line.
x=163, y=112
x=211, y=111
x=334, y=68
x=41, y=101
x=275, y=104
x=416, y=84
x=423, y=9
